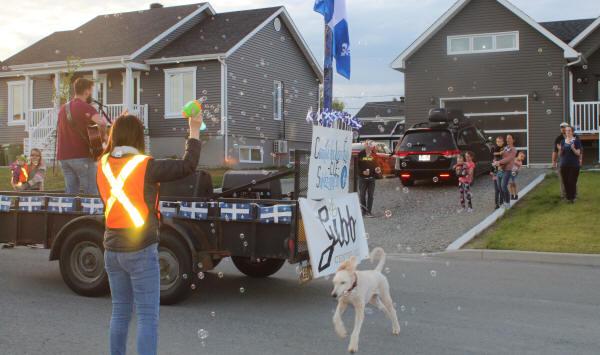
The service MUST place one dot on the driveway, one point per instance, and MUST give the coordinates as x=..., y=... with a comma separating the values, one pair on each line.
x=425, y=218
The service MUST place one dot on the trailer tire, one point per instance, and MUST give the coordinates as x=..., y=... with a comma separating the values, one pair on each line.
x=176, y=273
x=82, y=262
x=262, y=267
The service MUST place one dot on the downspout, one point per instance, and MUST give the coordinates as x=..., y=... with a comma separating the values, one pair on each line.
x=567, y=82
x=224, y=122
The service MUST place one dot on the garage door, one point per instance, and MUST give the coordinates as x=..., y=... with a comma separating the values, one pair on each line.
x=496, y=116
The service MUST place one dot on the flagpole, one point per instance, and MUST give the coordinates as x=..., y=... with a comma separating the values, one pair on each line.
x=328, y=69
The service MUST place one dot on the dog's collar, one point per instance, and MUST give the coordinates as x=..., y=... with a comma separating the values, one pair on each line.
x=353, y=284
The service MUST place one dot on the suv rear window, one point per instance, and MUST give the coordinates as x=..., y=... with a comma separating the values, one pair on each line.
x=427, y=141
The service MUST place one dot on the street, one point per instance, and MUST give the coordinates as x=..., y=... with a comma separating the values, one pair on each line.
x=444, y=307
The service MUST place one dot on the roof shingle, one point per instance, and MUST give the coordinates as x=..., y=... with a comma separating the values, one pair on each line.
x=567, y=30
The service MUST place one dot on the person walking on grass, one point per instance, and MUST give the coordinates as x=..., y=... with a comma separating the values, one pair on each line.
x=505, y=164
x=465, y=169
x=128, y=182
x=368, y=172
x=570, y=149
x=497, y=171
x=512, y=185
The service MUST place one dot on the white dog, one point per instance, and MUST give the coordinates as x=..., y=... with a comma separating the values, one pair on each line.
x=359, y=288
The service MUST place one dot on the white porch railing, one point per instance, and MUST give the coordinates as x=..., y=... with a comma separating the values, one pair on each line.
x=114, y=110
x=585, y=117
x=41, y=128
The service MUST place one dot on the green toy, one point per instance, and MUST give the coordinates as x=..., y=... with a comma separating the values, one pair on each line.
x=193, y=108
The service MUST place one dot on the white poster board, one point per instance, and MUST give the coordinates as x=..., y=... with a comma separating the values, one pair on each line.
x=334, y=232
x=329, y=167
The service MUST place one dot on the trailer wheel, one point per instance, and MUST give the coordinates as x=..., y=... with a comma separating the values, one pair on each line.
x=176, y=272
x=261, y=267
x=82, y=262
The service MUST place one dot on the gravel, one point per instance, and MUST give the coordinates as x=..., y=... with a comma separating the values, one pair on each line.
x=425, y=218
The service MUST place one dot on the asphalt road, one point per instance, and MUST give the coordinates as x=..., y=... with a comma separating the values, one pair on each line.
x=425, y=218
x=450, y=307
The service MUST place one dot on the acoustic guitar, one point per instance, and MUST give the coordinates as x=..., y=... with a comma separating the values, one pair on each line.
x=93, y=137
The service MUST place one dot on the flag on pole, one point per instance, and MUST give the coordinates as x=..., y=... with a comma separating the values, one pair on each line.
x=334, y=12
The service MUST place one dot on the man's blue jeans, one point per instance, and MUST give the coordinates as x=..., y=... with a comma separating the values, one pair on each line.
x=80, y=175
x=134, y=279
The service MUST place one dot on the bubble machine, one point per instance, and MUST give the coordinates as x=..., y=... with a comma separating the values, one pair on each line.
x=192, y=108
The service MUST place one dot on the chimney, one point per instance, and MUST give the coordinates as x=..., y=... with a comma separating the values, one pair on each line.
x=156, y=5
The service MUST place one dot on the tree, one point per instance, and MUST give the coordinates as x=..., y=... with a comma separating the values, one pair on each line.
x=64, y=93
x=336, y=104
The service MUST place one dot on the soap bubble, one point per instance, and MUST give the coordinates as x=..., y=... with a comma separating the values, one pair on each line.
x=57, y=51
x=540, y=50
x=549, y=74
x=388, y=214
x=201, y=275
x=245, y=243
x=405, y=190
x=184, y=276
x=193, y=287
x=387, y=270
x=402, y=308
x=409, y=145
x=202, y=334
x=433, y=273
x=200, y=265
x=242, y=236
x=220, y=274
x=242, y=290
x=435, y=179
x=548, y=111
x=404, y=163
x=450, y=89
x=381, y=128
x=458, y=308
x=585, y=67
x=213, y=314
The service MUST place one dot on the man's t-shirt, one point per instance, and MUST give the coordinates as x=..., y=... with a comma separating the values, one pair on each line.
x=367, y=162
x=558, y=141
x=71, y=144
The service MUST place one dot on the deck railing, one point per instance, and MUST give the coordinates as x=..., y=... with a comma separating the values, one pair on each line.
x=114, y=110
x=585, y=117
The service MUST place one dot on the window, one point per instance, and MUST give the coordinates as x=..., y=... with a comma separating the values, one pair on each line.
x=277, y=100
x=483, y=43
x=292, y=153
x=180, y=87
x=251, y=154
x=16, y=103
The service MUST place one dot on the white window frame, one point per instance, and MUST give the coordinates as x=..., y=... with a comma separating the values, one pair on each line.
x=175, y=112
x=100, y=79
x=135, y=75
x=250, y=147
x=277, y=104
x=28, y=99
x=471, y=38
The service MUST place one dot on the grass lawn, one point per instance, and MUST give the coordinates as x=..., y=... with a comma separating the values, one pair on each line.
x=543, y=222
x=55, y=181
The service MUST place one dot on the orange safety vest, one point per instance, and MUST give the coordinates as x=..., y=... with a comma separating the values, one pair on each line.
x=24, y=176
x=121, y=186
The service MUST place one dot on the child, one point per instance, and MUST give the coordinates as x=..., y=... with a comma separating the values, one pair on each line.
x=496, y=171
x=19, y=171
x=512, y=185
x=465, y=168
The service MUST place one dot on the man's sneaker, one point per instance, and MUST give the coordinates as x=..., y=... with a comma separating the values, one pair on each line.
x=506, y=206
x=516, y=197
x=497, y=206
x=369, y=215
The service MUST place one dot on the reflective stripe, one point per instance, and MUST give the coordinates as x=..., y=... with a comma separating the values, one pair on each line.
x=24, y=171
x=116, y=188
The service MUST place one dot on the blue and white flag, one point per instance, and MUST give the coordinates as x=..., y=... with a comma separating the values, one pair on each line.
x=334, y=12
x=194, y=210
x=278, y=214
x=5, y=203
x=92, y=205
x=31, y=203
x=61, y=204
x=168, y=208
x=235, y=211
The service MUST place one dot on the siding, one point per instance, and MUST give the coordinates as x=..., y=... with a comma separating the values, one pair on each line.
x=114, y=83
x=536, y=67
x=43, y=91
x=8, y=134
x=268, y=56
x=583, y=91
x=152, y=83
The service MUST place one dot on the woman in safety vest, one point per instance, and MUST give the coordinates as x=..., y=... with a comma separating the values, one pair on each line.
x=128, y=184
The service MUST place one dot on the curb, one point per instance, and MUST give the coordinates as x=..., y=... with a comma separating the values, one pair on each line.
x=492, y=218
x=526, y=256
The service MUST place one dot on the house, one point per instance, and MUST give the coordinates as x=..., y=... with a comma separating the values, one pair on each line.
x=507, y=72
x=382, y=122
x=252, y=68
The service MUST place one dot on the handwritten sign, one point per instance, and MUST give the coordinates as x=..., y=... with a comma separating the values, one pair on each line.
x=335, y=232
x=329, y=166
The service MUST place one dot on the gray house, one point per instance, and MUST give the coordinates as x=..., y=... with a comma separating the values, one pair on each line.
x=507, y=72
x=252, y=68
x=382, y=122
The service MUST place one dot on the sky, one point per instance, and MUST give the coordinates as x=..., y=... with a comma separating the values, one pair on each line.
x=379, y=30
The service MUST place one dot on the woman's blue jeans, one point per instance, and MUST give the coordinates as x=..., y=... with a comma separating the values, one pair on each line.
x=134, y=279
x=505, y=180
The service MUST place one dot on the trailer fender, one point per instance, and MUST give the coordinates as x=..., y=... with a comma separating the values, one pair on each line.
x=67, y=228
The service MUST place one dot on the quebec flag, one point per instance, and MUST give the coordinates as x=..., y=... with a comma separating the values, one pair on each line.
x=334, y=12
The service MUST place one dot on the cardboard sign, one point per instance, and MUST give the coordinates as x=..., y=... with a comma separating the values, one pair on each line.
x=334, y=232
x=329, y=167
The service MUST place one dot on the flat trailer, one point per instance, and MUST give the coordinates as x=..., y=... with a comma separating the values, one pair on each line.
x=196, y=232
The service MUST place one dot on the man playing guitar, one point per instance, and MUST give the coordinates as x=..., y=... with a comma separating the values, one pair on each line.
x=74, y=150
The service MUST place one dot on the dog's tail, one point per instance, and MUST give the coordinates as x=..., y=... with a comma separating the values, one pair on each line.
x=378, y=254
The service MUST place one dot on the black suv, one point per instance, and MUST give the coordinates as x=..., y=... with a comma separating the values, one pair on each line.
x=429, y=150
